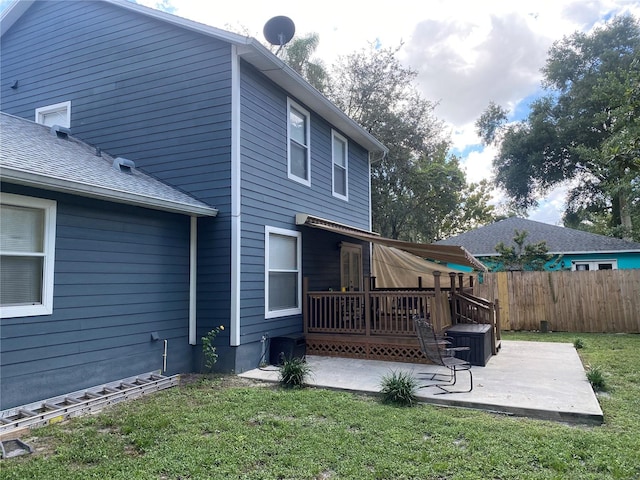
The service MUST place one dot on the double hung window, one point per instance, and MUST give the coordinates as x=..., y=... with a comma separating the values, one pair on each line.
x=27, y=245
x=298, y=153
x=340, y=155
x=283, y=272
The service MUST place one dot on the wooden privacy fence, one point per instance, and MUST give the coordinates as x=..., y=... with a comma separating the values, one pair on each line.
x=585, y=301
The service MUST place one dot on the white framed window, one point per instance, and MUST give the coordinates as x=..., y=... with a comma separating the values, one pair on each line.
x=298, y=143
x=340, y=156
x=283, y=272
x=58, y=114
x=590, y=265
x=27, y=248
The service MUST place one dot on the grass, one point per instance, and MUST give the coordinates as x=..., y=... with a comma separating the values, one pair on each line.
x=213, y=429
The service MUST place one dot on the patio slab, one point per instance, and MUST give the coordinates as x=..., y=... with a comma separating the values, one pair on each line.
x=540, y=380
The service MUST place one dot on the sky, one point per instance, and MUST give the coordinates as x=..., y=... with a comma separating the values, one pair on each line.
x=466, y=52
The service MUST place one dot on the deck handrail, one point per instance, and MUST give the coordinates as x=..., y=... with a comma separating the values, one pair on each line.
x=374, y=312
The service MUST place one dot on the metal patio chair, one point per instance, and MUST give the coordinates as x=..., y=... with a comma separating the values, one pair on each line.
x=438, y=350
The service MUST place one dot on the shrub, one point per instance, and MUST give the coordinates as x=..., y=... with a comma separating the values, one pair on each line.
x=399, y=388
x=294, y=372
x=578, y=343
x=209, y=353
x=595, y=376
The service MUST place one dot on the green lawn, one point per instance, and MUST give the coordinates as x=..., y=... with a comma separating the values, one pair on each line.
x=217, y=429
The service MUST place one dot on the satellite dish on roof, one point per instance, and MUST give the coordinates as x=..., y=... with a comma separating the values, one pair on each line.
x=279, y=31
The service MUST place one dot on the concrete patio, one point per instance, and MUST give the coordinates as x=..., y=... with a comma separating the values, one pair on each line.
x=533, y=379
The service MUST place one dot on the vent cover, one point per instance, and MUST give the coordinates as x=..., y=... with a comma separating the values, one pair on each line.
x=60, y=132
x=123, y=164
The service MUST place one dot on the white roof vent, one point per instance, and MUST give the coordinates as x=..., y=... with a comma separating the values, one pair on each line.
x=123, y=164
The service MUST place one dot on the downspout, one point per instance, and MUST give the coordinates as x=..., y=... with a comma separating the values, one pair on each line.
x=236, y=211
x=193, y=264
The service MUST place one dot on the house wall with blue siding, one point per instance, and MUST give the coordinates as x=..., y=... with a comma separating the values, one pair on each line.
x=270, y=198
x=142, y=89
x=120, y=273
x=161, y=96
x=624, y=260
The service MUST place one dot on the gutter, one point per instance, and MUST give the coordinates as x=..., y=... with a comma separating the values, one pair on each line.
x=101, y=193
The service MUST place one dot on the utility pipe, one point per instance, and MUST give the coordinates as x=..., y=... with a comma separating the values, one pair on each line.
x=164, y=356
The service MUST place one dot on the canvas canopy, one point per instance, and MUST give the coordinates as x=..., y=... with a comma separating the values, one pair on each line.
x=395, y=268
x=444, y=253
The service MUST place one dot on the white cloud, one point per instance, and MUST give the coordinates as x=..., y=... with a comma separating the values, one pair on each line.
x=501, y=65
x=551, y=208
x=477, y=164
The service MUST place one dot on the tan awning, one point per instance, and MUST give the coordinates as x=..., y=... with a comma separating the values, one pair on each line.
x=443, y=253
x=394, y=268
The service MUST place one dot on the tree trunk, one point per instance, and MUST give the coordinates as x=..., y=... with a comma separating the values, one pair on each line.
x=625, y=216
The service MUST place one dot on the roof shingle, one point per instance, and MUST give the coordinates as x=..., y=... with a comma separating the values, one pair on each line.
x=32, y=155
x=482, y=241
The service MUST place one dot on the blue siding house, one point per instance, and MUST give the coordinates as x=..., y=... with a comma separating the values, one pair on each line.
x=234, y=144
x=575, y=249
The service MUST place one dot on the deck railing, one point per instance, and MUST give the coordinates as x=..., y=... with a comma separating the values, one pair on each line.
x=378, y=323
x=466, y=308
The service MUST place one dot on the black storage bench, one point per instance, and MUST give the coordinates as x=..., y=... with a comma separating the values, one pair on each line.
x=475, y=336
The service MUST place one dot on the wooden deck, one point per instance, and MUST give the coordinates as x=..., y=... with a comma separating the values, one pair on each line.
x=378, y=324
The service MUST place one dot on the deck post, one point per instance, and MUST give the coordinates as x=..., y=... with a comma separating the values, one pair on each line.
x=493, y=323
x=438, y=300
x=454, y=303
x=305, y=305
x=367, y=306
x=496, y=306
x=460, y=282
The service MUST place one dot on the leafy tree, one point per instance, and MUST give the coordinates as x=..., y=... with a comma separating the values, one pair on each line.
x=417, y=185
x=298, y=54
x=472, y=211
x=585, y=132
x=521, y=256
x=489, y=124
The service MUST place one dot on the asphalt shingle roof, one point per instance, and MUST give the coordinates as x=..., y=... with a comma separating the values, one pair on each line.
x=482, y=241
x=30, y=154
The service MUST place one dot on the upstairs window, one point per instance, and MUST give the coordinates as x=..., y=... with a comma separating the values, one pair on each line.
x=27, y=245
x=58, y=114
x=298, y=152
x=340, y=155
x=283, y=272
